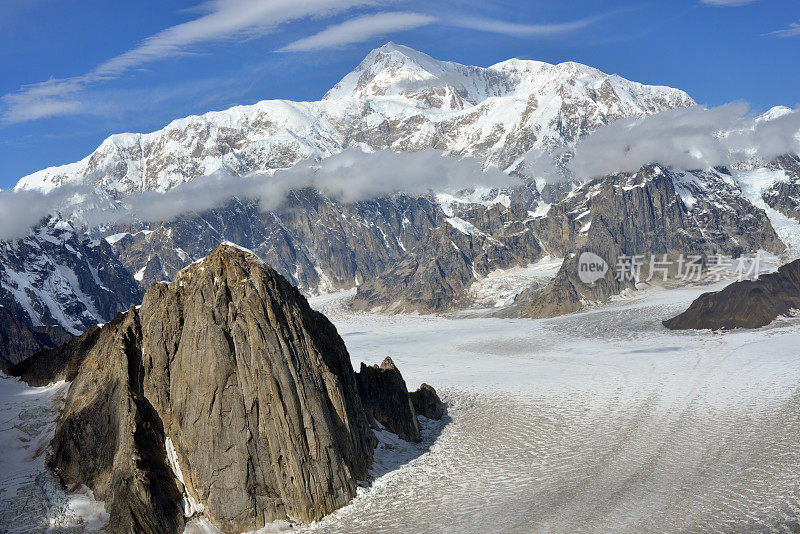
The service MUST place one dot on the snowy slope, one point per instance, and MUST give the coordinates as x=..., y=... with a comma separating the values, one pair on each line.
x=56, y=275
x=398, y=99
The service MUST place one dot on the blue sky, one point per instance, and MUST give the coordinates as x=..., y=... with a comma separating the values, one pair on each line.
x=76, y=71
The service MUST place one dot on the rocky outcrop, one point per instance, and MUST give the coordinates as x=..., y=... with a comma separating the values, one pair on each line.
x=784, y=195
x=316, y=243
x=655, y=212
x=18, y=340
x=110, y=437
x=427, y=403
x=436, y=275
x=386, y=400
x=744, y=304
x=253, y=388
x=57, y=275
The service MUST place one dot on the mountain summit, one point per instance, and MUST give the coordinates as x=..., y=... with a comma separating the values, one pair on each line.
x=398, y=99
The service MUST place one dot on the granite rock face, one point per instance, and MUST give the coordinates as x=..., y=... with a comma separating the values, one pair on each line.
x=254, y=389
x=110, y=438
x=427, y=403
x=386, y=400
x=744, y=304
x=18, y=340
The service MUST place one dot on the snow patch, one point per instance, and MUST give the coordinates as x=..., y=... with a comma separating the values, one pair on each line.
x=190, y=506
x=461, y=225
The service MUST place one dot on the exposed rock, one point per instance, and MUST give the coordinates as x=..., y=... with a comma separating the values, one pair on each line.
x=744, y=304
x=56, y=275
x=386, y=399
x=316, y=243
x=110, y=438
x=642, y=214
x=436, y=275
x=254, y=389
x=18, y=340
x=784, y=195
x=58, y=363
x=427, y=403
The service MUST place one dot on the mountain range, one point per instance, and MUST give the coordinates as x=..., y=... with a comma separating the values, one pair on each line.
x=403, y=252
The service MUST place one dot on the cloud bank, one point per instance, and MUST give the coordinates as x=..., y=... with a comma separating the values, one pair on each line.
x=350, y=176
x=688, y=138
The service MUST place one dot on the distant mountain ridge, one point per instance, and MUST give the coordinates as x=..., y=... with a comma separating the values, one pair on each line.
x=397, y=98
x=408, y=253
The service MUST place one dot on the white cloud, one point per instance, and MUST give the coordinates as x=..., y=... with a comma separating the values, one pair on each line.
x=792, y=31
x=225, y=19
x=522, y=30
x=348, y=177
x=728, y=3
x=359, y=29
x=221, y=20
x=367, y=27
x=687, y=138
x=23, y=108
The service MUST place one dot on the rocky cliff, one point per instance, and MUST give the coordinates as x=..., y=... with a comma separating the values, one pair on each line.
x=433, y=277
x=744, y=304
x=227, y=377
x=315, y=242
x=654, y=212
x=784, y=194
x=386, y=400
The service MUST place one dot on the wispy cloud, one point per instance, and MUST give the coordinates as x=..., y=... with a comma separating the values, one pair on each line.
x=359, y=29
x=225, y=19
x=515, y=29
x=792, y=31
x=220, y=20
x=366, y=27
x=728, y=3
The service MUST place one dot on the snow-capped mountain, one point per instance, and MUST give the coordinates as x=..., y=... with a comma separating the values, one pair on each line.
x=404, y=252
x=398, y=99
x=56, y=275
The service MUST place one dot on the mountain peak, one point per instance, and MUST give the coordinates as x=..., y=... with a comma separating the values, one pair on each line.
x=392, y=69
x=524, y=104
